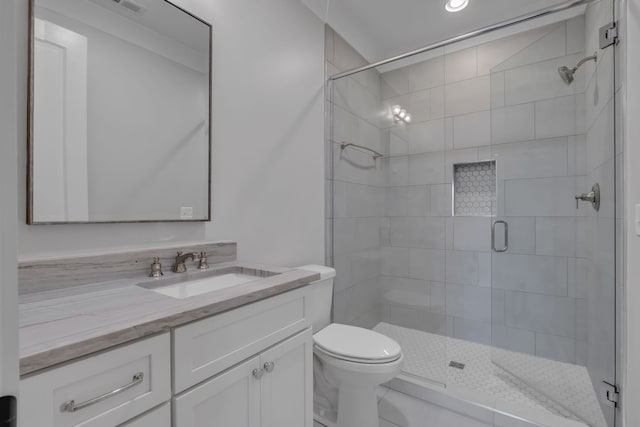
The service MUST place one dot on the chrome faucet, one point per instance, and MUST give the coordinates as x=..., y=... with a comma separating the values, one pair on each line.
x=178, y=266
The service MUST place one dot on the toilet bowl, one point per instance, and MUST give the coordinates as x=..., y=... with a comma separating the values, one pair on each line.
x=356, y=361
x=353, y=360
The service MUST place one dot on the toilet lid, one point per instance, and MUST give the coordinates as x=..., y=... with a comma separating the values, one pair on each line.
x=356, y=344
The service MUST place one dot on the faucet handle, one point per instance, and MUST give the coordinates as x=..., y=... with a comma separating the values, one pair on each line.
x=202, y=264
x=156, y=268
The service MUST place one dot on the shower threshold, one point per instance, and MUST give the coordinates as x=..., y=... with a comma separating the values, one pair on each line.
x=495, y=386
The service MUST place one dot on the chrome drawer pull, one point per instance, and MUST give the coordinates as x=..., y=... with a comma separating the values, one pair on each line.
x=71, y=406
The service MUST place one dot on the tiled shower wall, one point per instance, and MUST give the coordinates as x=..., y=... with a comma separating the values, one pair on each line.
x=355, y=186
x=499, y=100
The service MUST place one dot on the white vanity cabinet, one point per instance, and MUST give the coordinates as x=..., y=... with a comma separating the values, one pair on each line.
x=250, y=366
x=159, y=417
x=103, y=390
x=272, y=389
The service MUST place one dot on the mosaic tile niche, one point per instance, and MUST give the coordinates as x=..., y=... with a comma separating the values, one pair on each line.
x=475, y=189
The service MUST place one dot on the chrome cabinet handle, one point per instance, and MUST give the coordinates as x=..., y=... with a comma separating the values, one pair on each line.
x=269, y=366
x=493, y=236
x=258, y=373
x=72, y=406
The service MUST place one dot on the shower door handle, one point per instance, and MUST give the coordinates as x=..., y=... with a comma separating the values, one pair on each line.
x=493, y=236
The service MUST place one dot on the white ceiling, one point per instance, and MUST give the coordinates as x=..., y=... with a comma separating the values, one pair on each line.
x=380, y=29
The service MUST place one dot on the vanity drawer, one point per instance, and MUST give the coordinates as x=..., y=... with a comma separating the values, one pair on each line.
x=206, y=347
x=102, y=390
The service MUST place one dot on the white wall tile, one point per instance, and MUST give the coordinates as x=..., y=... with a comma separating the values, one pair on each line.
x=557, y=348
x=512, y=124
x=437, y=102
x=577, y=155
x=461, y=268
x=427, y=136
x=468, y=96
x=485, y=269
x=513, y=339
x=538, y=81
x=494, y=53
x=440, y=195
x=345, y=125
x=540, y=197
x=541, y=313
x=394, y=261
x=472, y=330
x=551, y=45
x=471, y=234
x=556, y=117
x=472, y=130
x=469, y=302
x=530, y=273
x=575, y=35
x=397, y=145
x=497, y=90
x=414, y=232
x=426, y=74
x=396, y=201
x=394, y=83
x=578, y=277
x=418, y=200
x=427, y=264
x=531, y=159
x=397, y=170
x=556, y=236
x=418, y=104
x=460, y=65
x=426, y=168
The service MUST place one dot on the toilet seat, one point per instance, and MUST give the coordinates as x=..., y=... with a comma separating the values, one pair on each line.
x=358, y=345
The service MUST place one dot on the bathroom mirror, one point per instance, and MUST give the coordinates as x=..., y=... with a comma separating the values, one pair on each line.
x=119, y=112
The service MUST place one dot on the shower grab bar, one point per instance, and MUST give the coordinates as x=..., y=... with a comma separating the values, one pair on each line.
x=493, y=236
x=344, y=145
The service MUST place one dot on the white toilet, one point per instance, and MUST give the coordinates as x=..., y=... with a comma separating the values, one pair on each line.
x=353, y=360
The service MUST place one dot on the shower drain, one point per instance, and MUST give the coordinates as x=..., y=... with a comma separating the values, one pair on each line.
x=456, y=365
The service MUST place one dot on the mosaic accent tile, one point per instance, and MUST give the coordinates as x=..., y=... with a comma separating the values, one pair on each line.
x=475, y=189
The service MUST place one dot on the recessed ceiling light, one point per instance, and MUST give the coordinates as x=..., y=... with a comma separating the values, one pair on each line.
x=456, y=5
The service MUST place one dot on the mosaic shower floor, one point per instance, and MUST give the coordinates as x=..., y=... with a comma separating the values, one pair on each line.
x=541, y=384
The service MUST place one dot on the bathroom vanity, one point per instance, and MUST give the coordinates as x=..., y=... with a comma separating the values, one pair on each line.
x=122, y=353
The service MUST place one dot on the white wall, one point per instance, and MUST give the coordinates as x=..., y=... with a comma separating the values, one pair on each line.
x=267, y=142
x=8, y=194
x=631, y=98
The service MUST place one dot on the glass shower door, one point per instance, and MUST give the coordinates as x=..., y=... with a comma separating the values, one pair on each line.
x=553, y=225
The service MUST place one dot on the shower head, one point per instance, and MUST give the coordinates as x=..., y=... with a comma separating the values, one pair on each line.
x=566, y=73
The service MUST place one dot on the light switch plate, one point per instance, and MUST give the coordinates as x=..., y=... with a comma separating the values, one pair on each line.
x=637, y=220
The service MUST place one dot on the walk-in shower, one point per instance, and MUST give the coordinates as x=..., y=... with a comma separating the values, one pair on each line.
x=463, y=241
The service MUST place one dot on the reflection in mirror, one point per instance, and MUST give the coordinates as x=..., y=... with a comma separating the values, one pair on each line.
x=120, y=108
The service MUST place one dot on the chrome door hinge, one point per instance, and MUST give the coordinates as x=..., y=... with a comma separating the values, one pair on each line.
x=609, y=35
x=610, y=394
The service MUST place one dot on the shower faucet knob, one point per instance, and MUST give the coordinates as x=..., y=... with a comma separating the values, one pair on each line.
x=593, y=197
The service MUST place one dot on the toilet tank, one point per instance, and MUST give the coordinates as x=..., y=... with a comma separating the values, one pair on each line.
x=321, y=296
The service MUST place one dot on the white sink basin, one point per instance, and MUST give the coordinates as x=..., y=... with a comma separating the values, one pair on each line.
x=185, y=287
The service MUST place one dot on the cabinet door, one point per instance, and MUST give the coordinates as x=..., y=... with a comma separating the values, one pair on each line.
x=159, y=417
x=231, y=399
x=287, y=390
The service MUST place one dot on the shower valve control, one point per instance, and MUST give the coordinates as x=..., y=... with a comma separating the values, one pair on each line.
x=593, y=196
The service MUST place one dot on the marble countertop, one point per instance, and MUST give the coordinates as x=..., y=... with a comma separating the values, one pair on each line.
x=60, y=325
